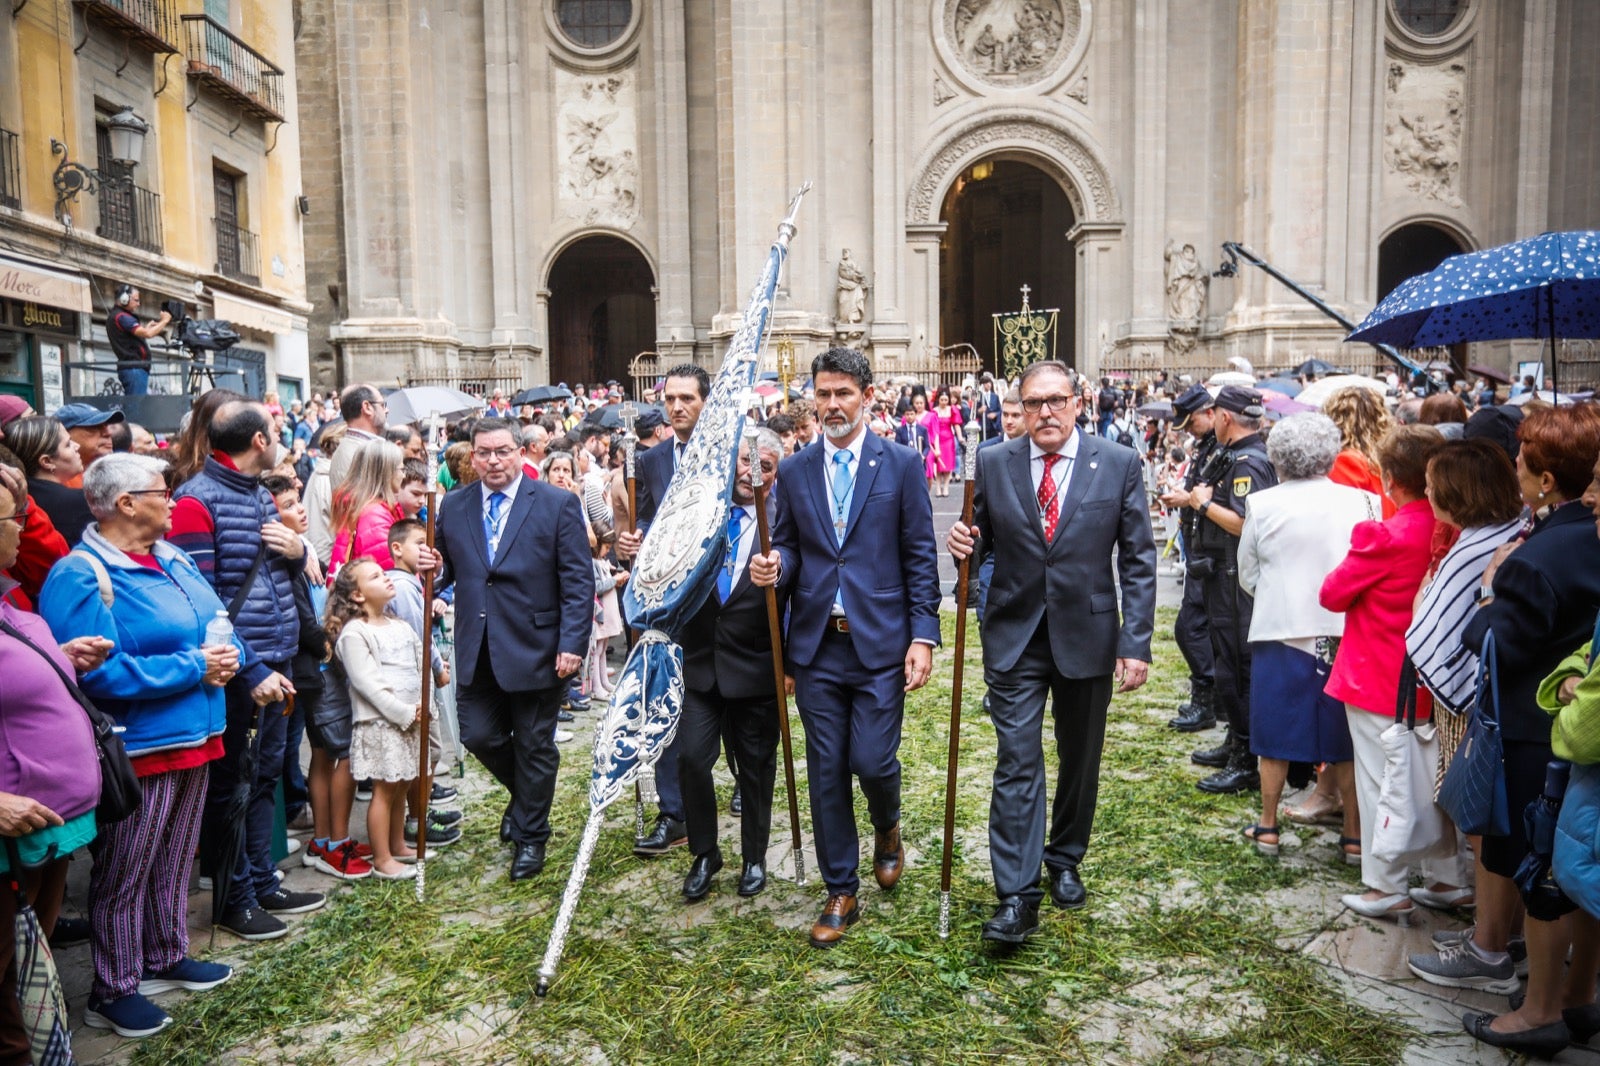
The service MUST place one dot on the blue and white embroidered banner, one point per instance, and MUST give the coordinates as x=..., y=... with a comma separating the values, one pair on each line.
x=677, y=565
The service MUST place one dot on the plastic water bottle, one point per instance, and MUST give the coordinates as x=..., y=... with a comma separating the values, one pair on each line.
x=219, y=632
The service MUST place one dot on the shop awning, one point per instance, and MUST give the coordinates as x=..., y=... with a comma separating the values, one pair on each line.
x=40, y=283
x=250, y=314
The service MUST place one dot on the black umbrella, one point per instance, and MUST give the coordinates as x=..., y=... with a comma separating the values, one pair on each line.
x=1316, y=368
x=230, y=841
x=610, y=416
x=541, y=394
x=1490, y=373
x=1157, y=409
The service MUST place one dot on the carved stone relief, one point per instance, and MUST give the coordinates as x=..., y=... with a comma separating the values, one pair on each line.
x=1011, y=42
x=1422, y=128
x=1080, y=90
x=1186, y=296
x=850, y=298
x=597, y=147
x=941, y=92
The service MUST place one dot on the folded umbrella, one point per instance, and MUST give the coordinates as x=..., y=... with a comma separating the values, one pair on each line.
x=44, y=1008
x=1534, y=878
x=230, y=842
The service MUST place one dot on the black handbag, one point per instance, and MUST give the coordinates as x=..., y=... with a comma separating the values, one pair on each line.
x=1473, y=792
x=120, y=791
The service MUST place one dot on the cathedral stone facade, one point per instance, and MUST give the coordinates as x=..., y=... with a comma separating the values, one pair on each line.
x=523, y=191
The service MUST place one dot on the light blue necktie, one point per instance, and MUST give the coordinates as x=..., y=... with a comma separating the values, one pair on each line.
x=725, y=579
x=843, y=481
x=491, y=524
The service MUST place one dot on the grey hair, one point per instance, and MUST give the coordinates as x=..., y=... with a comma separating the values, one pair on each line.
x=1302, y=446
x=768, y=441
x=116, y=474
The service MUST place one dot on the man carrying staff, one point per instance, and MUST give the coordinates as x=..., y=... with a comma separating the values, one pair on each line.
x=854, y=548
x=1052, y=505
x=728, y=683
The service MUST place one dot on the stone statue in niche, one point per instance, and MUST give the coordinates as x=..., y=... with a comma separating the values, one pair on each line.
x=851, y=298
x=598, y=148
x=1422, y=128
x=1012, y=40
x=1186, y=296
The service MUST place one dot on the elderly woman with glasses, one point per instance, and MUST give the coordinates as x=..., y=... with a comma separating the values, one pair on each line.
x=165, y=688
x=1295, y=534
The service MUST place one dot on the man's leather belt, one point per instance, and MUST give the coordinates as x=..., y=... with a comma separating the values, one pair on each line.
x=837, y=624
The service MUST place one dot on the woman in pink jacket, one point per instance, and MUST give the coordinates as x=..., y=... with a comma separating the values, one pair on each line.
x=365, y=505
x=1375, y=587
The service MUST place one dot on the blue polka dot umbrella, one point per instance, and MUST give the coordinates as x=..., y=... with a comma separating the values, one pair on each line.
x=1543, y=287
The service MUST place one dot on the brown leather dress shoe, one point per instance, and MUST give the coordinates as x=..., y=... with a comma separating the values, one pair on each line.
x=838, y=914
x=888, y=858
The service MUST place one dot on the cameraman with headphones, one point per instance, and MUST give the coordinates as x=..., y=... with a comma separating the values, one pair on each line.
x=128, y=335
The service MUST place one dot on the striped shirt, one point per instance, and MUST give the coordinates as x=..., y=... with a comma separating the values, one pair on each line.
x=1433, y=641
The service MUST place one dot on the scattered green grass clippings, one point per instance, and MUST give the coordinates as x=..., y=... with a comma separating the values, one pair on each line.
x=1174, y=960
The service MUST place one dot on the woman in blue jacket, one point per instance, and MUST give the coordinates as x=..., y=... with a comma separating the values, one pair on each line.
x=125, y=583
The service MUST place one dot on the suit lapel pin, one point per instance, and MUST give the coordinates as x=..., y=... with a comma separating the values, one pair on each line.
x=1094, y=466
x=872, y=462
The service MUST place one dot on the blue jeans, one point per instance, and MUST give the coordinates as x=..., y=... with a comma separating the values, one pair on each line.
x=135, y=380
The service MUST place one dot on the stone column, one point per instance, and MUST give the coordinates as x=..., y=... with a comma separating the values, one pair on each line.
x=671, y=107
x=1099, y=246
x=921, y=251
x=890, y=332
x=1148, y=198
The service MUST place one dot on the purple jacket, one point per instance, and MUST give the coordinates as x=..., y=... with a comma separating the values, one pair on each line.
x=48, y=744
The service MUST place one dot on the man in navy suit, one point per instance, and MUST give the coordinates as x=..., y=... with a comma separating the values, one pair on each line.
x=855, y=551
x=518, y=553
x=729, y=690
x=1052, y=506
x=683, y=394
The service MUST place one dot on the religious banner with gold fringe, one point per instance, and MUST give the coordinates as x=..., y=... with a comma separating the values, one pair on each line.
x=1023, y=337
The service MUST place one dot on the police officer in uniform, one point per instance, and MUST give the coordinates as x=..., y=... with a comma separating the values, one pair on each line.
x=1193, y=411
x=1237, y=468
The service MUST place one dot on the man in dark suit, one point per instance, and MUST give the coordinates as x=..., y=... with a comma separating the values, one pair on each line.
x=518, y=553
x=1052, y=506
x=730, y=691
x=854, y=548
x=683, y=394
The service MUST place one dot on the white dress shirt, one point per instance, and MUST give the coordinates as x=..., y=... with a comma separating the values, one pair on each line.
x=1061, y=473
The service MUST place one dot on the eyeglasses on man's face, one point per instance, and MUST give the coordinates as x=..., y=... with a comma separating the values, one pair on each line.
x=487, y=454
x=166, y=493
x=1033, y=405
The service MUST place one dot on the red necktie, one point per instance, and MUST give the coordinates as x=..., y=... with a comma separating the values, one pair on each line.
x=1047, y=498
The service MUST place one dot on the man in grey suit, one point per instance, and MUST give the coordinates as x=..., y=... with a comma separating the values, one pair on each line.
x=1051, y=506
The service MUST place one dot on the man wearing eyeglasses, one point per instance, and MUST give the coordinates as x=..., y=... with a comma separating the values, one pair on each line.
x=1051, y=506
x=518, y=552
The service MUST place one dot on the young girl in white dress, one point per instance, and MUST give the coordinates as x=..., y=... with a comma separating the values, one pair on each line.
x=382, y=659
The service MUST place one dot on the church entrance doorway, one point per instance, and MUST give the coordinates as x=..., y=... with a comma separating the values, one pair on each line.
x=1006, y=227
x=1413, y=249
x=602, y=311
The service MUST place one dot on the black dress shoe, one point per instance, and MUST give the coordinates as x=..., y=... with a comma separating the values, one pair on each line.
x=1193, y=718
x=698, y=882
x=1544, y=1042
x=505, y=829
x=69, y=931
x=1066, y=888
x=528, y=862
x=753, y=879
x=565, y=716
x=669, y=833
x=1014, y=921
x=736, y=805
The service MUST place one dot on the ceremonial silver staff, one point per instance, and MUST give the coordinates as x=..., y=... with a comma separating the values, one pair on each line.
x=629, y=416
x=675, y=572
x=970, y=473
x=424, y=762
x=775, y=633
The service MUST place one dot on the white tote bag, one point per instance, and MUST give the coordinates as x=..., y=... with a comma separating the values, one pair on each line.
x=1408, y=824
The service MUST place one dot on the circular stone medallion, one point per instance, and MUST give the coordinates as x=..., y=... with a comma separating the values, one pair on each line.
x=1011, y=43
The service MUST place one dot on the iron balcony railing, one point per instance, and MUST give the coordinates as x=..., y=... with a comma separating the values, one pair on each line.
x=151, y=23
x=130, y=214
x=237, y=257
x=232, y=69
x=10, y=170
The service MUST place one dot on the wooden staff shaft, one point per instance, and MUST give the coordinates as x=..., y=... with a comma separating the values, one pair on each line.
x=424, y=762
x=951, y=762
x=775, y=632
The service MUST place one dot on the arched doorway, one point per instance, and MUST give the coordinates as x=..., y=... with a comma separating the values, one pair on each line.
x=602, y=310
x=1416, y=248
x=1006, y=226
